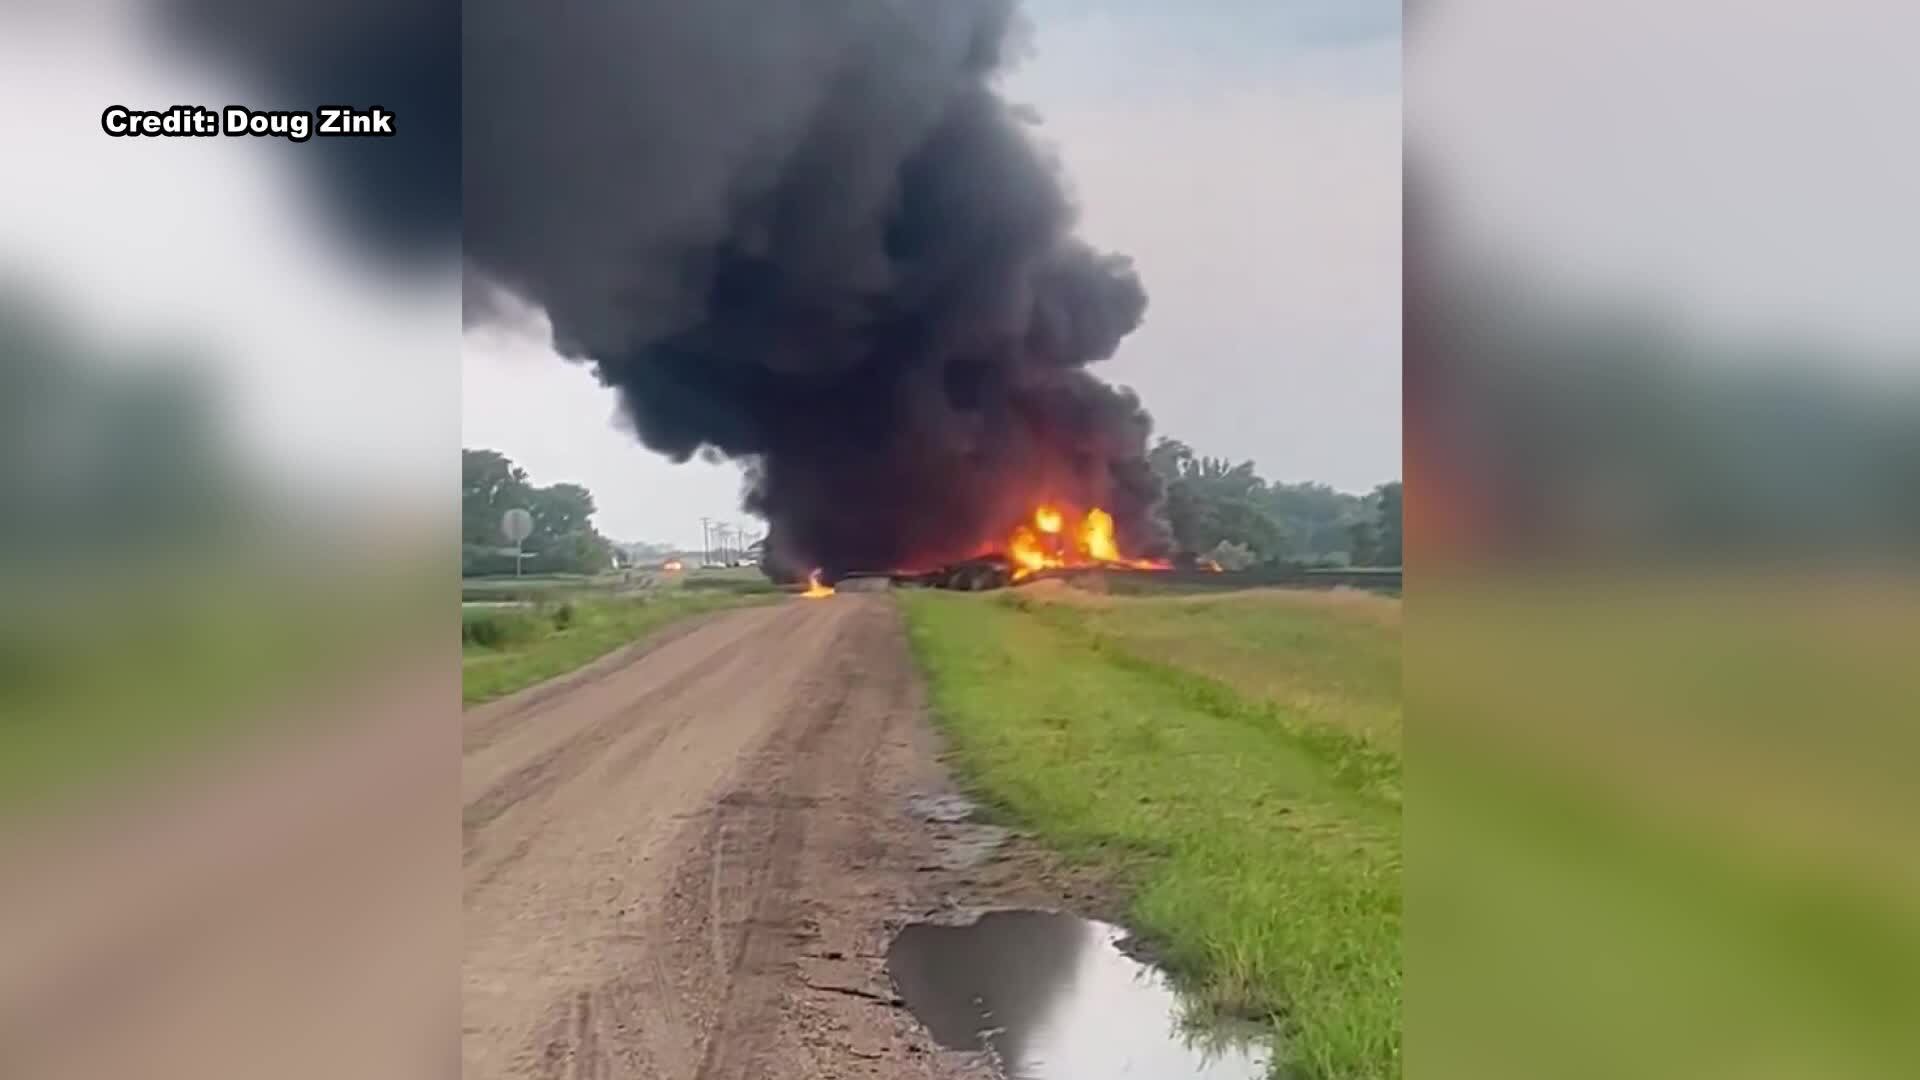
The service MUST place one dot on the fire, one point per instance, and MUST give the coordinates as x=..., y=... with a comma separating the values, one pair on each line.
x=1096, y=536
x=1027, y=552
x=815, y=590
x=1048, y=544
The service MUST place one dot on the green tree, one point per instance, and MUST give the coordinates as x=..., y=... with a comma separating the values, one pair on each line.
x=490, y=485
x=1210, y=501
x=1169, y=459
x=1386, y=500
x=560, y=510
x=1319, y=518
x=563, y=538
x=1376, y=537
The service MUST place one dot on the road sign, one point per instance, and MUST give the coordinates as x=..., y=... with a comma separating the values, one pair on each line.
x=516, y=525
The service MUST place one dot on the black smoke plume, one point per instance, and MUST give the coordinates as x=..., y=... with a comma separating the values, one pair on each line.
x=812, y=237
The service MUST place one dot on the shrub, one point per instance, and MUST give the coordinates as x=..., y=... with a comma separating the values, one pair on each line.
x=741, y=586
x=497, y=629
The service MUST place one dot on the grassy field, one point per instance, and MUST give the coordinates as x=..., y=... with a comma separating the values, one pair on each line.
x=535, y=588
x=508, y=649
x=1233, y=760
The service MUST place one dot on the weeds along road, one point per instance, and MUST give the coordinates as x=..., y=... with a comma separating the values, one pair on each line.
x=673, y=863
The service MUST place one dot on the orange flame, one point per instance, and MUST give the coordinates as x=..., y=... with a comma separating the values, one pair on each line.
x=1047, y=544
x=815, y=590
x=1096, y=536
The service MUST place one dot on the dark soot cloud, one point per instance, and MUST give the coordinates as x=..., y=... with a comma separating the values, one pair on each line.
x=814, y=238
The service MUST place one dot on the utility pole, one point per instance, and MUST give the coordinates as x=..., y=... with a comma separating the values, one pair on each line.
x=706, y=543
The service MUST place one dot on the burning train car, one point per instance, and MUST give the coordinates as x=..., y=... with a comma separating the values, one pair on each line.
x=1054, y=542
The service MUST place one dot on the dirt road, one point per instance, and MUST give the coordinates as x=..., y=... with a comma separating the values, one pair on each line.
x=686, y=864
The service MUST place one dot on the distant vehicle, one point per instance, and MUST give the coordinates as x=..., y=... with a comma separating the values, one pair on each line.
x=671, y=565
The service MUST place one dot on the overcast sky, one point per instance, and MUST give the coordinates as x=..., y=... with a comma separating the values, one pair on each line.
x=1246, y=153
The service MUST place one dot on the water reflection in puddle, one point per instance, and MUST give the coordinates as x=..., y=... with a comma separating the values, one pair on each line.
x=1056, y=999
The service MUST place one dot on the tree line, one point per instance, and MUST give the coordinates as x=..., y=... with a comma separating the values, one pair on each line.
x=1228, y=512
x=563, y=540
x=1217, y=509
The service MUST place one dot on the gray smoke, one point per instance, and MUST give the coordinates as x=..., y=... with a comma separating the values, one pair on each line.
x=815, y=238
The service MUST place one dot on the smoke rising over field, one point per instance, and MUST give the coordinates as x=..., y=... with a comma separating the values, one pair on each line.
x=813, y=238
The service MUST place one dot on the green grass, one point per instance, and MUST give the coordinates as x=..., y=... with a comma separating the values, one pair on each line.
x=508, y=649
x=548, y=587
x=1318, y=660
x=542, y=581
x=751, y=582
x=1260, y=839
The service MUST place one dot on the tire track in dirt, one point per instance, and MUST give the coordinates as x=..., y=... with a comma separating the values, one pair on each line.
x=485, y=723
x=707, y=857
x=752, y=972
x=710, y=650
x=806, y=869
x=567, y=848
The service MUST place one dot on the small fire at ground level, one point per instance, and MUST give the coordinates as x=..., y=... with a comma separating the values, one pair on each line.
x=815, y=590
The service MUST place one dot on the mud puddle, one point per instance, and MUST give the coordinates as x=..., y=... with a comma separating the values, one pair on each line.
x=1053, y=997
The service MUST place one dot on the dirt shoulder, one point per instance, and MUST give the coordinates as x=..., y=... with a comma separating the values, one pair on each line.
x=690, y=866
